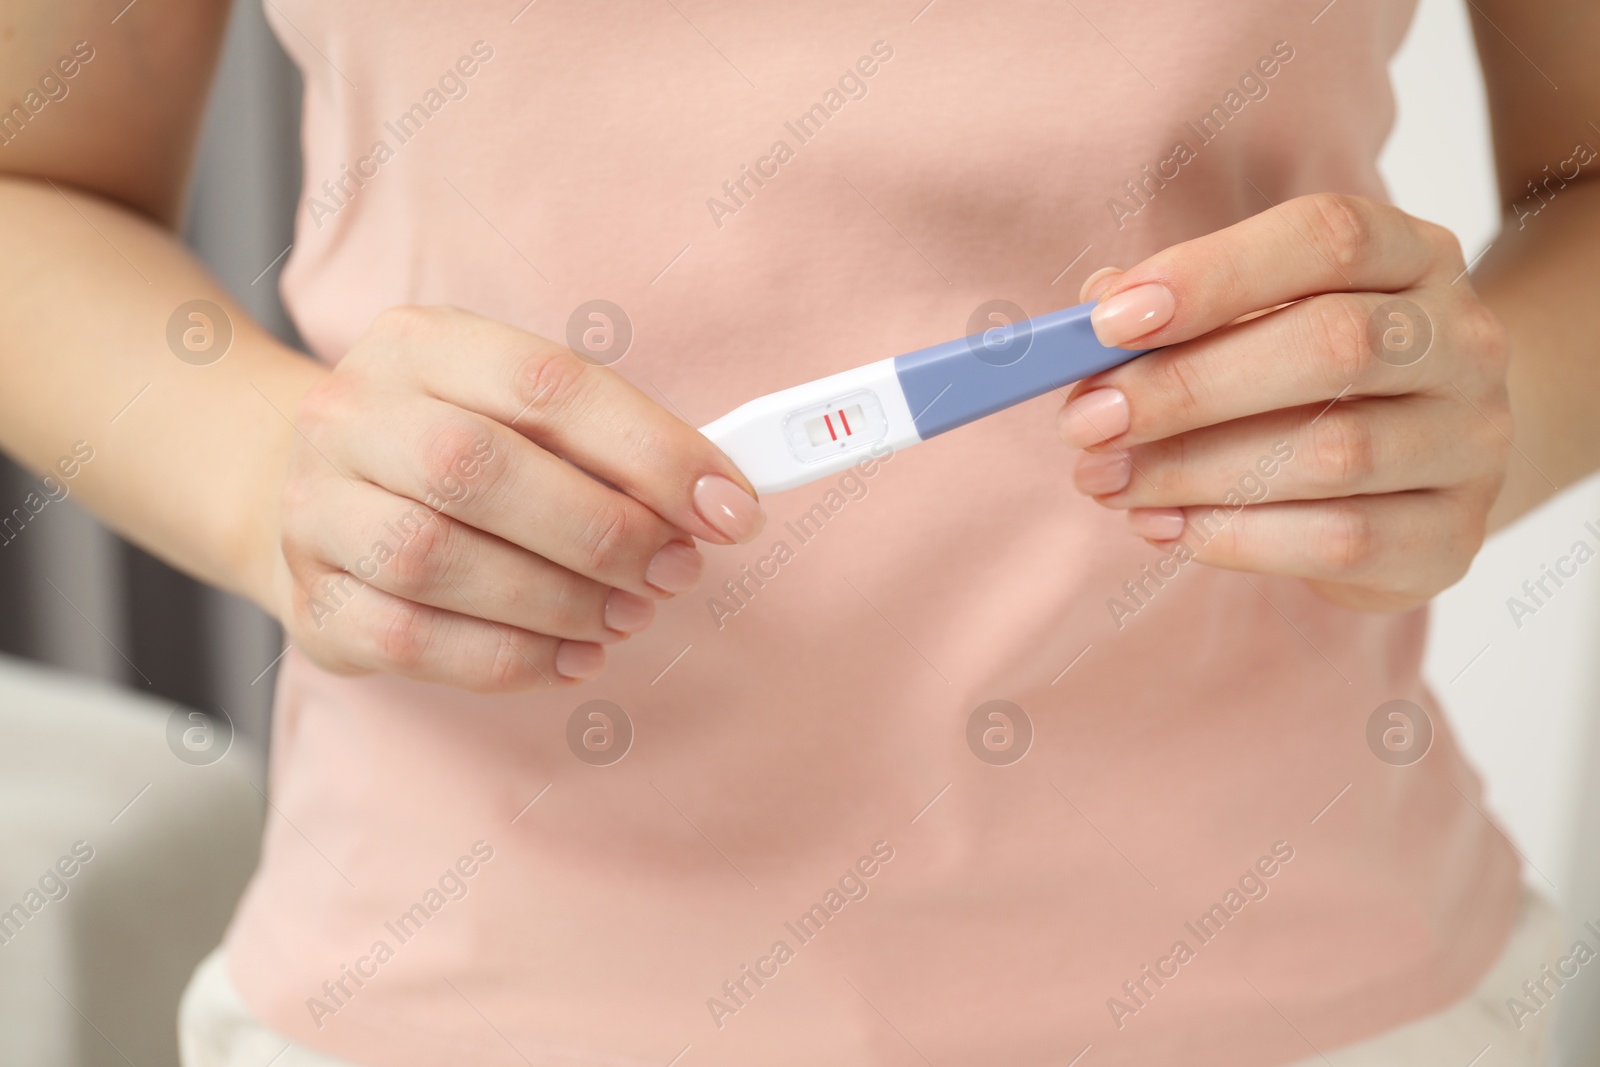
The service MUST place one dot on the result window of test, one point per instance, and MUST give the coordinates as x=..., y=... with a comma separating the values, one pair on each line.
x=836, y=425
x=840, y=425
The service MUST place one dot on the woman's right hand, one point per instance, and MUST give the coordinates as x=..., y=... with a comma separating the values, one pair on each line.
x=470, y=504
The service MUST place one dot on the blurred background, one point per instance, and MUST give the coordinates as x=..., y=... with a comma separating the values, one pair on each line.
x=174, y=839
x=93, y=979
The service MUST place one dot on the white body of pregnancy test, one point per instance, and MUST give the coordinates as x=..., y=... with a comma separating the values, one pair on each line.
x=797, y=435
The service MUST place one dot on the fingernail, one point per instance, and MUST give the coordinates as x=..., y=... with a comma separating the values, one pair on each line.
x=1098, y=415
x=675, y=568
x=579, y=659
x=1099, y=473
x=628, y=613
x=1157, y=524
x=1096, y=283
x=730, y=510
x=1132, y=313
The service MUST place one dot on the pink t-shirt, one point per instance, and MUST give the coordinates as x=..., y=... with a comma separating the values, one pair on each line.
x=802, y=858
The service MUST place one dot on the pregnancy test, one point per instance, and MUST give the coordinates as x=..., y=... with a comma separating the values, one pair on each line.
x=794, y=436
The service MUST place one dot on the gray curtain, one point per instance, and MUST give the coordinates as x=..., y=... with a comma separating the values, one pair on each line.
x=81, y=598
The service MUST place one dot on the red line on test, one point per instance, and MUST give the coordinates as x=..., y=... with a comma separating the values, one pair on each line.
x=845, y=421
x=829, y=421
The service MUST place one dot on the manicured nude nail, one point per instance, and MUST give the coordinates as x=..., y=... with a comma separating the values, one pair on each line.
x=1132, y=313
x=675, y=568
x=579, y=659
x=1157, y=524
x=730, y=510
x=1099, y=473
x=1097, y=283
x=628, y=613
x=1098, y=415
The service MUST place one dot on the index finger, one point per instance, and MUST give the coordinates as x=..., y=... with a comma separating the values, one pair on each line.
x=588, y=415
x=1323, y=243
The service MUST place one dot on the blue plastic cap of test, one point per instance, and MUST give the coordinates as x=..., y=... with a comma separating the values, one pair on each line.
x=957, y=382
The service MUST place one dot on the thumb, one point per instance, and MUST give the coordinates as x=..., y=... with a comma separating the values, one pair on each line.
x=1099, y=282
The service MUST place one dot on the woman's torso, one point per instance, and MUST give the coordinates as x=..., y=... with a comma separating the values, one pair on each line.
x=813, y=698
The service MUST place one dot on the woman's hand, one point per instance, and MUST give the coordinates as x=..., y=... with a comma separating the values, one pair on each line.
x=473, y=505
x=1332, y=405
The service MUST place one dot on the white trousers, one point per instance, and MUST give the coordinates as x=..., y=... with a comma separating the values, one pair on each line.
x=216, y=1029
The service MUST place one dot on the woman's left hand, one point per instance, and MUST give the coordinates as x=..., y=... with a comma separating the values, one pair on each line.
x=1329, y=402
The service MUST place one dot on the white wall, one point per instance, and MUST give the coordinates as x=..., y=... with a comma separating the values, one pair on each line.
x=1525, y=707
